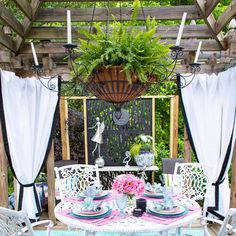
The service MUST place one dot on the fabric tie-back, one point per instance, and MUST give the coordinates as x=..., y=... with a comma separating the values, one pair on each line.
x=28, y=112
x=209, y=103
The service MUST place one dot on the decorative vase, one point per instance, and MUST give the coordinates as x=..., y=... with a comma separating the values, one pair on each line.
x=144, y=159
x=131, y=200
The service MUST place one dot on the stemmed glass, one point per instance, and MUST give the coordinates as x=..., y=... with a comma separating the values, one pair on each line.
x=121, y=202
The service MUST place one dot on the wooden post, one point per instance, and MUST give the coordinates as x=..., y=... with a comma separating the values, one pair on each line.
x=233, y=180
x=153, y=131
x=174, y=115
x=3, y=174
x=153, y=122
x=85, y=131
x=64, y=129
x=187, y=147
x=51, y=184
x=16, y=187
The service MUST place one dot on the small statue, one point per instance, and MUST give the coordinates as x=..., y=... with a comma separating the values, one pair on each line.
x=127, y=159
x=97, y=138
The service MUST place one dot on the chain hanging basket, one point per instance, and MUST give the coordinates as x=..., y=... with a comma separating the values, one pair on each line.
x=110, y=84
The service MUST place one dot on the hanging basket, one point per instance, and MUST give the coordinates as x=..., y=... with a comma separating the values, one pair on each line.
x=110, y=84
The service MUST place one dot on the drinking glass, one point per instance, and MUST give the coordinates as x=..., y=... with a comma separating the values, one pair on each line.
x=121, y=202
x=169, y=191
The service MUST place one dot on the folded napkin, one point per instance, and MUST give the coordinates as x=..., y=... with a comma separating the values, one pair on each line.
x=167, y=204
x=88, y=204
x=155, y=188
x=90, y=191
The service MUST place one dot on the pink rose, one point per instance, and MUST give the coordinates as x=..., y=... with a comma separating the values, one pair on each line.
x=128, y=183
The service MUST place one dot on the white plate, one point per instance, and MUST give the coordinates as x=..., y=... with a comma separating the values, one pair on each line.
x=98, y=196
x=179, y=210
x=153, y=195
x=91, y=214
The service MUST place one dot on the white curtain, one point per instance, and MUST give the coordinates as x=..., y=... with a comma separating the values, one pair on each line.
x=27, y=114
x=209, y=103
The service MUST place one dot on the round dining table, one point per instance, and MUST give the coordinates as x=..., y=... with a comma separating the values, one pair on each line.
x=128, y=225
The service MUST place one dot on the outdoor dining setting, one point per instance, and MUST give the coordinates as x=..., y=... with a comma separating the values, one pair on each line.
x=117, y=118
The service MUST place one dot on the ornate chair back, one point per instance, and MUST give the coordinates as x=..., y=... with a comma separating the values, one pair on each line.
x=17, y=223
x=190, y=180
x=227, y=226
x=73, y=179
x=12, y=223
x=230, y=218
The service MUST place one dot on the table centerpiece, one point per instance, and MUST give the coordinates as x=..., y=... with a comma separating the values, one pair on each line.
x=129, y=185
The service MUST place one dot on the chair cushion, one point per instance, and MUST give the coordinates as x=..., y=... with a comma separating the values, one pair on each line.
x=168, y=164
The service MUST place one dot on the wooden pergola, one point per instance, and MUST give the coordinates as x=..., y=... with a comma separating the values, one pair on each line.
x=40, y=24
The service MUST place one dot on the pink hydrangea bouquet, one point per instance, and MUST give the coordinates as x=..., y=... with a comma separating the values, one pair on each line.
x=128, y=184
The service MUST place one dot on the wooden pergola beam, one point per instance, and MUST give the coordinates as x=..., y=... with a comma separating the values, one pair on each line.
x=226, y=17
x=210, y=6
x=63, y=68
x=100, y=14
x=55, y=48
x=210, y=22
x=24, y=7
x=190, y=31
x=8, y=19
x=7, y=42
x=27, y=23
x=60, y=57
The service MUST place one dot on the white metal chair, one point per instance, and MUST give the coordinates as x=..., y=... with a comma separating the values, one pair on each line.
x=190, y=181
x=228, y=226
x=73, y=179
x=16, y=223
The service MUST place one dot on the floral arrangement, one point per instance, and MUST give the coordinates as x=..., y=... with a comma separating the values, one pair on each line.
x=128, y=184
x=141, y=143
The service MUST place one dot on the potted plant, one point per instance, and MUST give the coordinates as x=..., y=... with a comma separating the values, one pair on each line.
x=119, y=65
x=142, y=150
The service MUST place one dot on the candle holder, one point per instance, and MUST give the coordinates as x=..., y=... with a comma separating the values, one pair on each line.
x=141, y=203
x=176, y=52
x=70, y=46
x=37, y=68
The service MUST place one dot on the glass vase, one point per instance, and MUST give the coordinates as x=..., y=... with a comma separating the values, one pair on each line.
x=131, y=200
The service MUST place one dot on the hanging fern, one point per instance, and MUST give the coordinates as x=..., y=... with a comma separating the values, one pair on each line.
x=137, y=52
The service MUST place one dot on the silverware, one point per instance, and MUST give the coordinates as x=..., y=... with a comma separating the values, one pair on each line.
x=155, y=217
x=103, y=219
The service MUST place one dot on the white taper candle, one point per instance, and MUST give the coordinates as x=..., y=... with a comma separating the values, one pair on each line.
x=181, y=28
x=34, y=54
x=198, y=52
x=68, y=27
